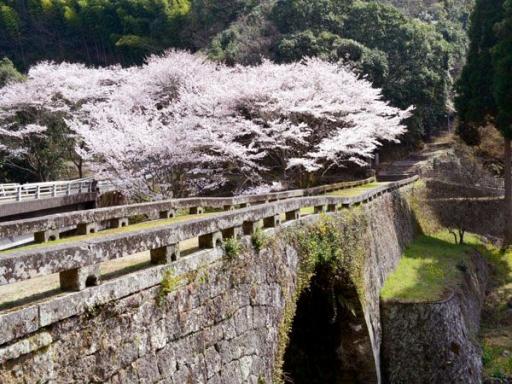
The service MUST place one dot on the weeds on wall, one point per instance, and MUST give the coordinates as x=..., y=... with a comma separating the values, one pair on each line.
x=259, y=239
x=168, y=284
x=232, y=248
x=335, y=245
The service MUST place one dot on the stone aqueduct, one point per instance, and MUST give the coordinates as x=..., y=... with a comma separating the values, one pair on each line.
x=218, y=321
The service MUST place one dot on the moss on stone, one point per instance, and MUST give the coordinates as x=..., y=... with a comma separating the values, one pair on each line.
x=334, y=243
x=259, y=239
x=427, y=220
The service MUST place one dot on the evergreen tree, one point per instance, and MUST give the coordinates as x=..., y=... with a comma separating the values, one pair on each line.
x=502, y=88
x=475, y=101
x=485, y=88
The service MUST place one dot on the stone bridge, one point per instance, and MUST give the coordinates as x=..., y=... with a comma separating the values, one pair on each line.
x=37, y=199
x=162, y=293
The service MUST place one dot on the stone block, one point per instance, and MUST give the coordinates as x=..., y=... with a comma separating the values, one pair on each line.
x=18, y=323
x=272, y=221
x=80, y=278
x=235, y=232
x=119, y=222
x=210, y=240
x=293, y=215
x=87, y=228
x=196, y=210
x=165, y=255
x=167, y=214
x=46, y=236
x=25, y=346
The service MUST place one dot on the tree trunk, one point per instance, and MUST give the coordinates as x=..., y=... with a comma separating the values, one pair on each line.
x=507, y=238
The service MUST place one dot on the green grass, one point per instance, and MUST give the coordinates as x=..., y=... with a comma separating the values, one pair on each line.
x=496, y=324
x=497, y=359
x=307, y=211
x=351, y=192
x=430, y=266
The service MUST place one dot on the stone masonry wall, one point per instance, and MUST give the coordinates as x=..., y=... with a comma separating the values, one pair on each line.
x=435, y=342
x=219, y=324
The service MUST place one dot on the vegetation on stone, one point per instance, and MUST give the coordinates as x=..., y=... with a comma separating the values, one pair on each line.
x=169, y=284
x=259, y=239
x=496, y=330
x=232, y=247
x=324, y=249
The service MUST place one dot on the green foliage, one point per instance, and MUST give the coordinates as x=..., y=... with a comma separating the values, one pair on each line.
x=411, y=60
x=168, y=284
x=475, y=101
x=333, y=245
x=232, y=248
x=8, y=72
x=247, y=40
x=496, y=361
x=259, y=239
x=496, y=325
x=91, y=31
x=208, y=18
x=320, y=15
x=329, y=46
x=502, y=59
x=417, y=57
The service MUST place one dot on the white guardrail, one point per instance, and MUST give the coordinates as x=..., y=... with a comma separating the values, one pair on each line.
x=11, y=193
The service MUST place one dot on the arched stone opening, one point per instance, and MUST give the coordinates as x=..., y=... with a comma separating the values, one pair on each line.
x=329, y=340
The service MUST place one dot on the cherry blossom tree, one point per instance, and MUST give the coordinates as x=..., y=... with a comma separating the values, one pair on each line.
x=181, y=124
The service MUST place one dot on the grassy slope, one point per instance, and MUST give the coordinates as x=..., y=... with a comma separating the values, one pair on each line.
x=428, y=268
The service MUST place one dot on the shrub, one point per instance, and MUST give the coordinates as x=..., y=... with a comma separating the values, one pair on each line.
x=258, y=239
x=232, y=247
x=168, y=284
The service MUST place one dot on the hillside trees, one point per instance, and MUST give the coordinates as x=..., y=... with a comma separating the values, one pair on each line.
x=102, y=32
x=93, y=31
x=183, y=124
x=8, y=72
x=409, y=59
x=502, y=87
